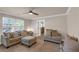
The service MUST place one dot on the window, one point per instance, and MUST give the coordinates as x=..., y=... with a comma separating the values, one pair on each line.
x=11, y=24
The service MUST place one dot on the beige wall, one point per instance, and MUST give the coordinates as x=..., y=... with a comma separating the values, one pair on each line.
x=58, y=23
x=34, y=25
x=27, y=24
x=73, y=22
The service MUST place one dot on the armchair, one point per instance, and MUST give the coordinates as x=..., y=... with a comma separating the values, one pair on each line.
x=9, y=39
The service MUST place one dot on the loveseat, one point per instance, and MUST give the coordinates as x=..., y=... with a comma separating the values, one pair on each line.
x=53, y=36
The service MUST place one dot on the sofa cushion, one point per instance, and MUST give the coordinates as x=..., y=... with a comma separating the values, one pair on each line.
x=19, y=33
x=24, y=33
x=55, y=33
x=30, y=33
x=11, y=35
x=53, y=39
x=15, y=34
x=48, y=32
x=8, y=35
x=13, y=40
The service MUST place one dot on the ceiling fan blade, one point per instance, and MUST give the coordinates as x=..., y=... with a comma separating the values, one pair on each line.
x=30, y=11
x=35, y=13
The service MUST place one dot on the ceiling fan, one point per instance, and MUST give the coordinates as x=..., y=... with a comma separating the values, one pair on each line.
x=31, y=12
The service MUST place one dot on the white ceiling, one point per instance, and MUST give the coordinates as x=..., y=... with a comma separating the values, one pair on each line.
x=42, y=11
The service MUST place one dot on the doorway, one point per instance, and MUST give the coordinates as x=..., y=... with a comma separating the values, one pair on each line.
x=41, y=27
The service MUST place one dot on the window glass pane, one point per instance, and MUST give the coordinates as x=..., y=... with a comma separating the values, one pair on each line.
x=12, y=24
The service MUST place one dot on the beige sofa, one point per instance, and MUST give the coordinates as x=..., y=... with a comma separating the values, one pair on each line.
x=12, y=38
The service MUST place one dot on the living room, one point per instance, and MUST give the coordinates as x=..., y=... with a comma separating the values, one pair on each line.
x=39, y=22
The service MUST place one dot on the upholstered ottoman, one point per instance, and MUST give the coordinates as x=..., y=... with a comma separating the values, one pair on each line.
x=28, y=40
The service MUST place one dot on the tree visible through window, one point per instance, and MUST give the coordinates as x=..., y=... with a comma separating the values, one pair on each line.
x=12, y=24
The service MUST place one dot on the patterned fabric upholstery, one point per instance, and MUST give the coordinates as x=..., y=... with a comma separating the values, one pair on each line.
x=7, y=35
x=24, y=33
x=15, y=34
x=12, y=38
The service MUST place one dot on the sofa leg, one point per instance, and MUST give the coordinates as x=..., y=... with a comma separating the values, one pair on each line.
x=29, y=46
x=7, y=47
x=32, y=44
x=22, y=44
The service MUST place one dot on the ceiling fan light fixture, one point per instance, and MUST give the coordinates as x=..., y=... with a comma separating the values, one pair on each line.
x=30, y=13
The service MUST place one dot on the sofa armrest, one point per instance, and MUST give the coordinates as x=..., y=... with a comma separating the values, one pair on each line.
x=4, y=40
